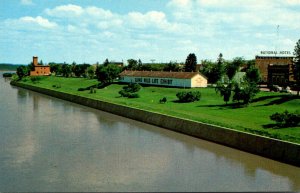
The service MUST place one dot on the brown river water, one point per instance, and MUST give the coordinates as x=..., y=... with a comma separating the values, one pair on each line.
x=47, y=144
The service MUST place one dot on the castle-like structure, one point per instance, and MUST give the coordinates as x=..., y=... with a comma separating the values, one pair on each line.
x=39, y=70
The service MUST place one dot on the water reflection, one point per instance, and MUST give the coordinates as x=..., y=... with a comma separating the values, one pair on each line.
x=48, y=144
x=22, y=95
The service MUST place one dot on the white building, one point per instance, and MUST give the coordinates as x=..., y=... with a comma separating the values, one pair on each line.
x=160, y=78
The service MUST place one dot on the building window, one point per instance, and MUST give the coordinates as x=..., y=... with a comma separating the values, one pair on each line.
x=155, y=81
x=163, y=81
x=138, y=80
x=166, y=81
x=147, y=80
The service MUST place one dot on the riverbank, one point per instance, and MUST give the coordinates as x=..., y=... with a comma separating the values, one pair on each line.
x=275, y=149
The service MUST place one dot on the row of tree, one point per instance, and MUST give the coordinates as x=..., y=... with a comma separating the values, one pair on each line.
x=214, y=71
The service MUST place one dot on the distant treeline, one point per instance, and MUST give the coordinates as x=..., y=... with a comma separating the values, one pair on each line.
x=9, y=67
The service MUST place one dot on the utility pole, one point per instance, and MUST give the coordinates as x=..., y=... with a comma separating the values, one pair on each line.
x=276, y=43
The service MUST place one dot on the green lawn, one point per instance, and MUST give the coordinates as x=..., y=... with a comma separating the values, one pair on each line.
x=210, y=109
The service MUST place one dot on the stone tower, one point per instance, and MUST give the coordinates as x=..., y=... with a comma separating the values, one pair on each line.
x=35, y=61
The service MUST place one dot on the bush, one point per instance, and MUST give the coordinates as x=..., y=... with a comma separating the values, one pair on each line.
x=131, y=90
x=132, y=87
x=35, y=78
x=133, y=95
x=92, y=90
x=14, y=77
x=123, y=93
x=103, y=85
x=56, y=86
x=286, y=119
x=163, y=100
x=7, y=75
x=188, y=96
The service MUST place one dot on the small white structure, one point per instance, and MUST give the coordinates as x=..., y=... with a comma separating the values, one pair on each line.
x=160, y=78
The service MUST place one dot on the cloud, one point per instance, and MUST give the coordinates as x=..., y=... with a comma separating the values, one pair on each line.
x=69, y=10
x=206, y=27
x=152, y=18
x=182, y=4
x=27, y=2
x=99, y=12
x=38, y=20
x=293, y=2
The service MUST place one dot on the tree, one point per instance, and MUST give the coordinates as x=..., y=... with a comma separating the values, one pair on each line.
x=132, y=64
x=190, y=63
x=238, y=93
x=30, y=67
x=106, y=62
x=219, y=69
x=248, y=91
x=73, y=68
x=207, y=70
x=213, y=71
x=22, y=71
x=296, y=65
x=107, y=74
x=224, y=91
x=41, y=63
x=171, y=66
x=139, y=65
x=244, y=91
x=66, y=70
x=91, y=72
x=253, y=75
x=80, y=70
x=232, y=67
x=55, y=68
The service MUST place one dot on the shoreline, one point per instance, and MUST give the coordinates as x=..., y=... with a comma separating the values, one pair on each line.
x=278, y=150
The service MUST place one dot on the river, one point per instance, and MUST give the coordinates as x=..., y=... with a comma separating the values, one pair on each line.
x=47, y=144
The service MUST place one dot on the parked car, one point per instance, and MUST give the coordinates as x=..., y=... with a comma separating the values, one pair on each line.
x=275, y=88
x=286, y=90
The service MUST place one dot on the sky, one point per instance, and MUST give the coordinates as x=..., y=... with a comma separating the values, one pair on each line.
x=151, y=30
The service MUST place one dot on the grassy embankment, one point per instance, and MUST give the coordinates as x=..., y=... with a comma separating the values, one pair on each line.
x=210, y=109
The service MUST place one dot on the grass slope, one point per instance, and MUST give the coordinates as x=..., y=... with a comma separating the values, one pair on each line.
x=210, y=109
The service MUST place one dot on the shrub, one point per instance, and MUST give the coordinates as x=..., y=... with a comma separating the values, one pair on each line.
x=132, y=87
x=14, y=77
x=188, y=96
x=92, y=90
x=133, y=95
x=286, y=119
x=163, y=100
x=7, y=75
x=56, y=86
x=123, y=93
x=103, y=85
x=36, y=78
x=131, y=90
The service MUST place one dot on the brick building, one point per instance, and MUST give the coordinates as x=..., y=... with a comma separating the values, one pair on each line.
x=39, y=70
x=278, y=75
x=275, y=69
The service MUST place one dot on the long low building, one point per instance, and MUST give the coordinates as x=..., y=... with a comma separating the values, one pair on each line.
x=161, y=78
